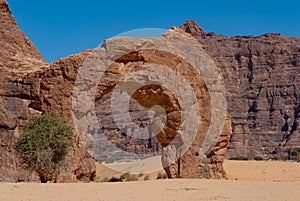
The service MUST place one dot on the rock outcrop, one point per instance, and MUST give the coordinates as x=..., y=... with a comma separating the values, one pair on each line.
x=23, y=96
x=135, y=77
x=17, y=52
x=263, y=90
x=29, y=86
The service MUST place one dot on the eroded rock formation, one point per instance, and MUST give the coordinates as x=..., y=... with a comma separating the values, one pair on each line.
x=30, y=86
x=26, y=79
x=134, y=67
x=263, y=90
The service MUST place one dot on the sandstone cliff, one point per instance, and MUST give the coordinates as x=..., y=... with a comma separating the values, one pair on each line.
x=30, y=87
x=263, y=90
x=127, y=72
x=22, y=97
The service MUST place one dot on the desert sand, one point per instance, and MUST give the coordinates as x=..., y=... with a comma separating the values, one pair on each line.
x=247, y=180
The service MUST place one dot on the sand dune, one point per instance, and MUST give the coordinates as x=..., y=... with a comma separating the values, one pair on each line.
x=147, y=165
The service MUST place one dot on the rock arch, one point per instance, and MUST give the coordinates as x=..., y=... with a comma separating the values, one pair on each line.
x=177, y=159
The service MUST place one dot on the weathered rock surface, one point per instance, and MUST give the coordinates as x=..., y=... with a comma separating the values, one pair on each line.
x=29, y=86
x=137, y=61
x=263, y=90
x=17, y=52
x=25, y=81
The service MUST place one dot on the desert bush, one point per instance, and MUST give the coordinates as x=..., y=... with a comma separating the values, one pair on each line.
x=258, y=158
x=295, y=153
x=105, y=179
x=43, y=144
x=161, y=176
x=146, y=178
x=239, y=158
x=129, y=177
x=123, y=177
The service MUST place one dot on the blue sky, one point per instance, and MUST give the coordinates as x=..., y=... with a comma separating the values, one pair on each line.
x=63, y=27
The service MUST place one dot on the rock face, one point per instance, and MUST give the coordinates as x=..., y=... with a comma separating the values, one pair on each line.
x=29, y=87
x=261, y=82
x=133, y=82
x=25, y=81
x=263, y=90
x=17, y=52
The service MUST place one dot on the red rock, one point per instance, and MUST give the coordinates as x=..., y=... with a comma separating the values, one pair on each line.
x=263, y=90
x=22, y=95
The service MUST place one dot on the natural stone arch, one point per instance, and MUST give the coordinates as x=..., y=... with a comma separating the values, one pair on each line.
x=193, y=162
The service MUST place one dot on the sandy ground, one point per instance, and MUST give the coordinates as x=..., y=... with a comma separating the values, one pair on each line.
x=263, y=170
x=151, y=167
x=248, y=180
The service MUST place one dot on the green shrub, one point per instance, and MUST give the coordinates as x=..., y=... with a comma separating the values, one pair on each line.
x=295, y=153
x=105, y=179
x=124, y=176
x=258, y=158
x=129, y=177
x=43, y=144
x=239, y=158
x=162, y=176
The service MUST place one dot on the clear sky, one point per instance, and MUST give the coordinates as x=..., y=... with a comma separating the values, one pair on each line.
x=63, y=27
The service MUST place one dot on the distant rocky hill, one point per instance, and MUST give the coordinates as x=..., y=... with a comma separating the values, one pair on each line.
x=262, y=78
